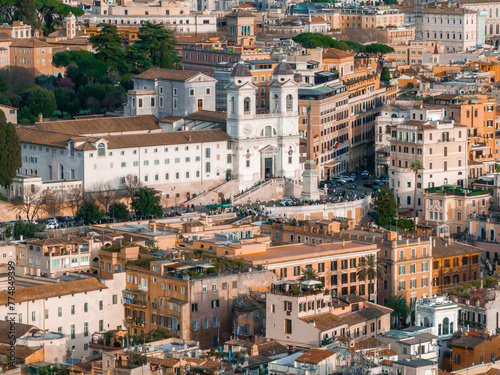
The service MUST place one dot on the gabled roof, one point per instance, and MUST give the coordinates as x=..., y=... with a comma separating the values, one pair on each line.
x=323, y=321
x=240, y=13
x=100, y=125
x=334, y=53
x=443, y=248
x=19, y=331
x=31, y=42
x=168, y=74
x=167, y=138
x=32, y=135
x=53, y=290
x=315, y=356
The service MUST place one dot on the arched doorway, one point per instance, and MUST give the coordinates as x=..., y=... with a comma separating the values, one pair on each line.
x=228, y=175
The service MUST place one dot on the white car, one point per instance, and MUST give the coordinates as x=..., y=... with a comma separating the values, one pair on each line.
x=286, y=202
x=50, y=225
x=340, y=180
x=348, y=178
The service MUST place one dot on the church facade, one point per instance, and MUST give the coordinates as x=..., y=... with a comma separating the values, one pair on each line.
x=264, y=145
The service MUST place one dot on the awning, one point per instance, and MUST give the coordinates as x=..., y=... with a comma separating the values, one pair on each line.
x=283, y=282
x=176, y=301
x=331, y=164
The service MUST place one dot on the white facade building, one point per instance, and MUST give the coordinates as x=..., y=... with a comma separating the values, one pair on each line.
x=439, y=314
x=491, y=11
x=265, y=145
x=74, y=308
x=166, y=92
x=440, y=146
x=455, y=28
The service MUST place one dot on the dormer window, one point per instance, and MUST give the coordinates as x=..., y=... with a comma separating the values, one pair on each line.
x=101, y=149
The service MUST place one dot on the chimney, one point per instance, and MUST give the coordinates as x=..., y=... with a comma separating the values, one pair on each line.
x=343, y=243
x=40, y=117
x=189, y=138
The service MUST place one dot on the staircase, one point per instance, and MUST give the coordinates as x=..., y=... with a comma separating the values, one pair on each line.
x=211, y=195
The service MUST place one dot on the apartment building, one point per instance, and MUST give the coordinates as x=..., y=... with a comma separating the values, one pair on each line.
x=307, y=316
x=366, y=97
x=478, y=113
x=335, y=263
x=453, y=263
x=75, y=308
x=5, y=42
x=54, y=257
x=327, y=109
x=414, y=52
x=338, y=61
x=370, y=17
x=35, y=56
x=473, y=348
x=456, y=28
x=491, y=11
x=408, y=271
x=449, y=209
x=479, y=311
x=166, y=92
x=191, y=299
x=439, y=145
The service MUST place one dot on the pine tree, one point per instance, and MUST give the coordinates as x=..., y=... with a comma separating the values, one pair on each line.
x=386, y=207
x=10, y=153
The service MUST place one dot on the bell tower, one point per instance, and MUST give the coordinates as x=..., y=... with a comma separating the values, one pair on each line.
x=241, y=99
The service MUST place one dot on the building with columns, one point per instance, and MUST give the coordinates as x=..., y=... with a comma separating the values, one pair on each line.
x=264, y=145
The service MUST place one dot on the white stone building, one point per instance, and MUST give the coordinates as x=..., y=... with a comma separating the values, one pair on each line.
x=265, y=145
x=455, y=28
x=441, y=147
x=105, y=150
x=74, y=308
x=166, y=92
x=439, y=314
x=491, y=9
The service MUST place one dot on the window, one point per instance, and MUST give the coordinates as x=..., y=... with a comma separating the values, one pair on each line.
x=115, y=299
x=288, y=326
x=73, y=331
x=207, y=167
x=215, y=303
x=101, y=149
x=85, y=329
x=85, y=307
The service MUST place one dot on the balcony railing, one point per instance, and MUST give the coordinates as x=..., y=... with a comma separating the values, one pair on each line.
x=471, y=324
x=136, y=322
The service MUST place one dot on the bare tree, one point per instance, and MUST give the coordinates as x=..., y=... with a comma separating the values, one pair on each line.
x=104, y=195
x=130, y=185
x=75, y=197
x=52, y=202
x=31, y=203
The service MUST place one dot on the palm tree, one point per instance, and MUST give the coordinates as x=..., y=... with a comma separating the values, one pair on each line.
x=308, y=273
x=399, y=308
x=415, y=167
x=371, y=268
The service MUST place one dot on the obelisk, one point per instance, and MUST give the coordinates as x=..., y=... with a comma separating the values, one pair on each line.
x=310, y=175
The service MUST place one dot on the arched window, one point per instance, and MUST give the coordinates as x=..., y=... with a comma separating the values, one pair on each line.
x=167, y=176
x=136, y=178
x=445, y=182
x=187, y=174
x=276, y=103
x=71, y=148
x=157, y=177
x=426, y=322
x=177, y=175
x=398, y=182
x=446, y=326
x=61, y=172
x=498, y=26
x=246, y=105
x=491, y=29
x=268, y=131
x=408, y=183
x=197, y=173
x=123, y=180
x=440, y=329
x=289, y=102
x=101, y=149
x=207, y=167
x=207, y=153
x=146, y=178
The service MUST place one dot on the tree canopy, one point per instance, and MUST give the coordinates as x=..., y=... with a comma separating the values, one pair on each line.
x=41, y=15
x=146, y=202
x=385, y=76
x=89, y=212
x=386, y=207
x=313, y=40
x=10, y=153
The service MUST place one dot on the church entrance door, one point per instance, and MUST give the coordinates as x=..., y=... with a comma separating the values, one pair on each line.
x=268, y=167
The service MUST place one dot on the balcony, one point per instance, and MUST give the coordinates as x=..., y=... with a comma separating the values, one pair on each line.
x=471, y=324
x=135, y=322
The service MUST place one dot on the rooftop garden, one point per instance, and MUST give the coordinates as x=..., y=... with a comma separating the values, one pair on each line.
x=455, y=190
x=116, y=247
x=464, y=290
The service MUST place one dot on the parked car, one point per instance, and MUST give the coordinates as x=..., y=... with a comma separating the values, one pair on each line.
x=50, y=225
x=365, y=175
x=340, y=180
x=286, y=202
x=347, y=178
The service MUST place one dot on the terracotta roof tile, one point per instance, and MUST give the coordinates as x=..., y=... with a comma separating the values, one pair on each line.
x=323, y=321
x=41, y=137
x=443, y=249
x=169, y=74
x=53, y=290
x=20, y=330
x=333, y=53
x=29, y=43
x=167, y=138
x=315, y=356
x=100, y=125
